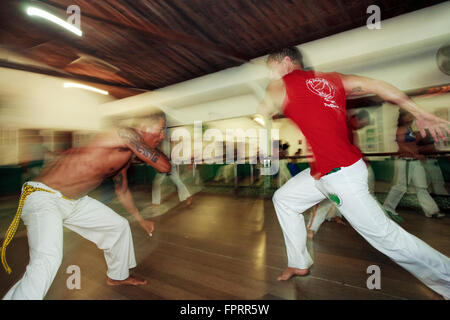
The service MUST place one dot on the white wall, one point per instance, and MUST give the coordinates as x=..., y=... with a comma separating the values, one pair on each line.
x=238, y=106
x=29, y=100
x=33, y=101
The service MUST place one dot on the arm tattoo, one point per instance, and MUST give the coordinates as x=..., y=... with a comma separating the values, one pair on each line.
x=118, y=180
x=137, y=144
x=357, y=89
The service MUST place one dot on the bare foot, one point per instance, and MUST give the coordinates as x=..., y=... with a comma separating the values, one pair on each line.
x=131, y=281
x=290, y=272
x=310, y=234
x=188, y=201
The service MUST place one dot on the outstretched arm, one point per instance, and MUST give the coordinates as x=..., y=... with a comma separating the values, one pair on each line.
x=273, y=99
x=358, y=86
x=151, y=156
x=126, y=199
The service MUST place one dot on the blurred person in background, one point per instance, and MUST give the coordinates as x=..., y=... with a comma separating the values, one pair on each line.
x=409, y=171
x=183, y=192
x=283, y=174
x=292, y=165
x=427, y=148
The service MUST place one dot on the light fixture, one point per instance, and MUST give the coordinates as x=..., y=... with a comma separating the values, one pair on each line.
x=259, y=120
x=33, y=11
x=82, y=86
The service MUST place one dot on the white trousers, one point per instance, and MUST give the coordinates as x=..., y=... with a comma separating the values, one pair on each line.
x=326, y=210
x=406, y=173
x=348, y=187
x=45, y=214
x=435, y=176
x=183, y=192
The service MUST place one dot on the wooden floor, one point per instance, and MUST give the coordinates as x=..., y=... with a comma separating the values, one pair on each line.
x=232, y=248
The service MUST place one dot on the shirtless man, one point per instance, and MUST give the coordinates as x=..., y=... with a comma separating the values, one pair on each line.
x=58, y=197
x=316, y=102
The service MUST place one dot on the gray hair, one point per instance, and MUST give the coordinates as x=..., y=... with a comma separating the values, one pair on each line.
x=149, y=120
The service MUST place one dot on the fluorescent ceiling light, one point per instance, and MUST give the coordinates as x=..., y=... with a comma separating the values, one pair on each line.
x=82, y=86
x=32, y=11
x=259, y=120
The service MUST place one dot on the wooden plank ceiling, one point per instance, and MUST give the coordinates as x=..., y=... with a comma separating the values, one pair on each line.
x=132, y=46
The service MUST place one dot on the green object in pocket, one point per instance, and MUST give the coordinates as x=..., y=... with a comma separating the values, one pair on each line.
x=335, y=199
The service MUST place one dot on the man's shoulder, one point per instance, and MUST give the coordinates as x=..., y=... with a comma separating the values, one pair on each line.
x=331, y=74
x=311, y=75
x=276, y=84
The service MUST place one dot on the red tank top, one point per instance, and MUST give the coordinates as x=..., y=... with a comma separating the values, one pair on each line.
x=316, y=103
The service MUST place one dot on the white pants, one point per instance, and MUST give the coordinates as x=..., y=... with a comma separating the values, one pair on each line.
x=406, y=173
x=435, y=176
x=45, y=214
x=348, y=186
x=326, y=210
x=183, y=192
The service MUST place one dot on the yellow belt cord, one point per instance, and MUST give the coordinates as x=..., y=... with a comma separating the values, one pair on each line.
x=27, y=190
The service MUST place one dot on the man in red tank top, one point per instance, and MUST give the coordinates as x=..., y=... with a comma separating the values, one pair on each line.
x=316, y=103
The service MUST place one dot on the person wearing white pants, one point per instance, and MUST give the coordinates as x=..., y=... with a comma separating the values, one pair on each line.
x=183, y=192
x=326, y=210
x=427, y=147
x=436, y=178
x=59, y=197
x=316, y=103
x=45, y=214
x=349, y=190
x=411, y=172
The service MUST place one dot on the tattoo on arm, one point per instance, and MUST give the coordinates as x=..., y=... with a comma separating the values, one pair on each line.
x=118, y=180
x=136, y=142
x=357, y=89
